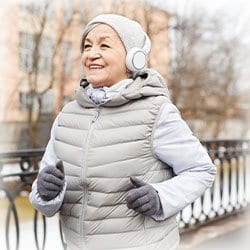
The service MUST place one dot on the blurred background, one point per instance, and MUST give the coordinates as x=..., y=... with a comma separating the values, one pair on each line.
x=201, y=48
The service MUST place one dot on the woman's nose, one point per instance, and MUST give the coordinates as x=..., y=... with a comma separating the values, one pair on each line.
x=94, y=53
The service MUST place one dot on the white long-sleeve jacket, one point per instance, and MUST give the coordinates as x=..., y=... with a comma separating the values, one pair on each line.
x=173, y=143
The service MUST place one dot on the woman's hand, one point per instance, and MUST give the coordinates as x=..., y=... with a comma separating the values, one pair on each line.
x=50, y=181
x=143, y=198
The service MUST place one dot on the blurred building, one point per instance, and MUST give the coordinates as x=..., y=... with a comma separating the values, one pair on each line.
x=39, y=47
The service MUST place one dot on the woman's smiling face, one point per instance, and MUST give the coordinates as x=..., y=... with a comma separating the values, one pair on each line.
x=104, y=57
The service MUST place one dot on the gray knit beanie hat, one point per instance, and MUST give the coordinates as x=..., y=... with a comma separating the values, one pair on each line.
x=129, y=31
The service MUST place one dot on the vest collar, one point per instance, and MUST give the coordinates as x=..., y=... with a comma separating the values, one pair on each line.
x=145, y=84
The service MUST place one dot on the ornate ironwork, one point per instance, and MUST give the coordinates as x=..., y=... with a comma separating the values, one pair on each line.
x=28, y=161
x=230, y=191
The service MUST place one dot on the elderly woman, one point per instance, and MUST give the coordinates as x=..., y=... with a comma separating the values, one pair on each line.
x=121, y=162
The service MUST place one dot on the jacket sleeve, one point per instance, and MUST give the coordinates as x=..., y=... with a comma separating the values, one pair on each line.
x=48, y=208
x=175, y=144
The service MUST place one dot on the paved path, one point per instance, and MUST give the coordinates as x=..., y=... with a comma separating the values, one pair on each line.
x=232, y=233
x=236, y=240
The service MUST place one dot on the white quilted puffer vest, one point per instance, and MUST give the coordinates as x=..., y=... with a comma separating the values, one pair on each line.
x=101, y=147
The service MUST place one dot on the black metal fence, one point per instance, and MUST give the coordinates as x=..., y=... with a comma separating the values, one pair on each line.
x=17, y=172
x=229, y=194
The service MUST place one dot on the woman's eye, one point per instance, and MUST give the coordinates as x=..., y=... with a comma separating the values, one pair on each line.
x=105, y=46
x=86, y=46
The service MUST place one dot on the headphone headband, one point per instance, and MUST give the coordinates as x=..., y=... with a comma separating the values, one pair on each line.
x=147, y=44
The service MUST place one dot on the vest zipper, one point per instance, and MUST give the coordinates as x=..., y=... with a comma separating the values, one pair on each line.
x=94, y=119
x=96, y=116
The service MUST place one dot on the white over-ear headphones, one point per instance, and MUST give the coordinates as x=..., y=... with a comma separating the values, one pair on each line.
x=136, y=58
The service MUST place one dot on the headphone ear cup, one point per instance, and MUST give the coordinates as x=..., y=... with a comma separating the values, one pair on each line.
x=136, y=59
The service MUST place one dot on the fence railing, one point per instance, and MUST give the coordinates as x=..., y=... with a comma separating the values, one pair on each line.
x=231, y=190
x=229, y=194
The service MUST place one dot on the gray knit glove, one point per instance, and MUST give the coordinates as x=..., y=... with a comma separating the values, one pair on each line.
x=143, y=198
x=50, y=181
